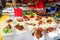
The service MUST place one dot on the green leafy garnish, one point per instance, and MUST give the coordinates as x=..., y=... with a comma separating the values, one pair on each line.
x=7, y=30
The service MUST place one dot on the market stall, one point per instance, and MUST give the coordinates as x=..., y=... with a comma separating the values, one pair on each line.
x=30, y=20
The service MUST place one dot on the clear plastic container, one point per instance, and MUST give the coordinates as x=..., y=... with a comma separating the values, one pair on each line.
x=51, y=33
x=38, y=34
x=7, y=33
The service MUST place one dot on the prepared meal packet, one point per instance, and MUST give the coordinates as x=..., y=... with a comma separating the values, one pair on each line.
x=38, y=34
x=32, y=24
x=20, y=29
x=58, y=25
x=49, y=26
x=36, y=22
x=12, y=27
x=19, y=25
x=6, y=31
x=51, y=32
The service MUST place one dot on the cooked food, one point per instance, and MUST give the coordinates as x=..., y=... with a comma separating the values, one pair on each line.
x=31, y=16
x=50, y=29
x=47, y=16
x=7, y=29
x=38, y=17
x=8, y=26
x=19, y=27
x=8, y=21
x=49, y=21
x=57, y=21
x=40, y=22
x=26, y=18
x=41, y=12
x=25, y=13
x=38, y=33
x=19, y=20
x=33, y=33
x=31, y=24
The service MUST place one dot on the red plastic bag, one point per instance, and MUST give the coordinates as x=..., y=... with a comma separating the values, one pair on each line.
x=17, y=12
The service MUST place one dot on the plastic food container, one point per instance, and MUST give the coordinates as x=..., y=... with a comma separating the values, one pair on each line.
x=7, y=31
x=51, y=33
x=23, y=36
x=38, y=34
x=21, y=31
x=58, y=26
x=57, y=38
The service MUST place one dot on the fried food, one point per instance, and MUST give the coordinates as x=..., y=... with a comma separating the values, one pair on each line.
x=19, y=27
